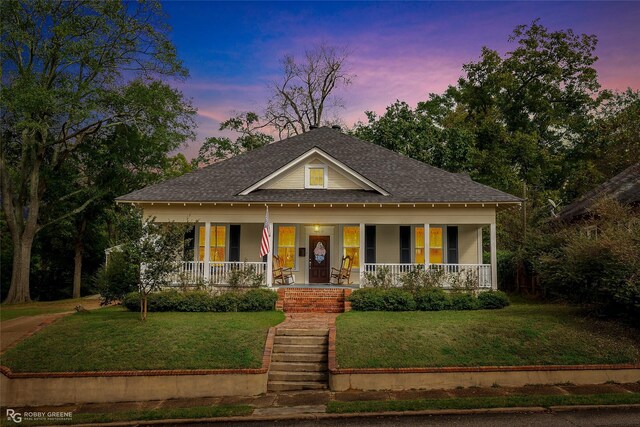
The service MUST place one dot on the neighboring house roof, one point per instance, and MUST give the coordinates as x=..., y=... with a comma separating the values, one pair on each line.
x=624, y=187
x=403, y=179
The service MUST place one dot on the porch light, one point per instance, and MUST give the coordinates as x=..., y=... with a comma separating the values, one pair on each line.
x=316, y=228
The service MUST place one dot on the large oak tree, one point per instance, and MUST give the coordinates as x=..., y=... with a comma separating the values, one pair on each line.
x=71, y=72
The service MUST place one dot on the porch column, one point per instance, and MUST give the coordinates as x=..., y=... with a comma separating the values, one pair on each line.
x=479, y=243
x=361, y=253
x=494, y=258
x=270, y=257
x=427, y=247
x=207, y=250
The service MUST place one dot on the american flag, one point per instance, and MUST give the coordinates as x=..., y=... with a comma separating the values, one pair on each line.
x=264, y=245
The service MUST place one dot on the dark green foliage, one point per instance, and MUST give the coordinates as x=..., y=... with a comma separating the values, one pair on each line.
x=463, y=301
x=225, y=302
x=600, y=272
x=419, y=278
x=257, y=300
x=492, y=299
x=117, y=278
x=367, y=299
x=398, y=300
x=203, y=301
x=432, y=299
x=245, y=278
x=424, y=299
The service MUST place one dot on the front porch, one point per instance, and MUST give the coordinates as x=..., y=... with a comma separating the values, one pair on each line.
x=310, y=251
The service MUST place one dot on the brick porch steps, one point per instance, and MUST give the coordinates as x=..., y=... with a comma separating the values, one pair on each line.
x=299, y=360
x=312, y=300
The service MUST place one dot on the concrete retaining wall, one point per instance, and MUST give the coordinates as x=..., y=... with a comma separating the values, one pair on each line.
x=482, y=376
x=57, y=388
x=399, y=380
x=57, y=391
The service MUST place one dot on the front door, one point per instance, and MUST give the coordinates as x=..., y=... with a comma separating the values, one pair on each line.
x=319, y=265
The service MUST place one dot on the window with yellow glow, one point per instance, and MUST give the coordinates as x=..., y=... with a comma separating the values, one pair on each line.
x=435, y=245
x=217, y=243
x=419, y=245
x=351, y=244
x=287, y=245
x=316, y=177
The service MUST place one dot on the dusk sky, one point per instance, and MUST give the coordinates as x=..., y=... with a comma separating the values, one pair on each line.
x=400, y=50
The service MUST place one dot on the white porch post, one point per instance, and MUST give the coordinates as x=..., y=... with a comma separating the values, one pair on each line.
x=427, y=247
x=207, y=250
x=270, y=257
x=494, y=258
x=362, y=252
x=479, y=243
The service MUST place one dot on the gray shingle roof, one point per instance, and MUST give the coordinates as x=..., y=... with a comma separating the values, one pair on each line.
x=406, y=180
x=624, y=187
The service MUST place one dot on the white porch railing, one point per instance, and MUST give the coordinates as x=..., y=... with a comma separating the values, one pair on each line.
x=193, y=272
x=479, y=272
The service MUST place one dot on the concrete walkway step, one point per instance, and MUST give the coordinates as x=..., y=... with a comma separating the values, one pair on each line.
x=301, y=340
x=302, y=332
x=299, y=348
x=297, y=376
x=298, y=357
x=299, y=366
x=296, y=385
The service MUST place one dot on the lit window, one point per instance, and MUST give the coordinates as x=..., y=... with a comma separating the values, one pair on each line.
x=351, y=244
x=419, y=245
x=316, y=176
x=217, y=243
x=435, y=245
x=287, y=245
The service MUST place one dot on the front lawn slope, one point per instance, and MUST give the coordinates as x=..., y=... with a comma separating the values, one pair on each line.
x=114, y=339
x=522, y=334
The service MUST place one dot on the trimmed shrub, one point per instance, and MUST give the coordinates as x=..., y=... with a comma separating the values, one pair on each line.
x=257, y=300
x=202, y=301
x=367, y=299
x=432, y=299
x=398, y=300
x=463, y=301
x=225, y=302
x=194, y=301
x=131, y=301
x=492, y=299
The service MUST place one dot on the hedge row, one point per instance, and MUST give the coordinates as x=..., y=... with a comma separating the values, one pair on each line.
x=425, y=299
x=200, y=301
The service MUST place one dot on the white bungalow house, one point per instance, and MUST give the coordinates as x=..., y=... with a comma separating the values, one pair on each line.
x=329, y=191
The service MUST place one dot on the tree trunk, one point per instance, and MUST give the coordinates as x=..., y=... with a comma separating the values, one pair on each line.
x=19, y=290
x=79, y=252
x=77, y=269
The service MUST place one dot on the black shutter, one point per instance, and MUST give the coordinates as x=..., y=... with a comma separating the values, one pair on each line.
x=189, y=243
x=369, y=244
x=405, y=244
x=234, y=242
x=452, y=245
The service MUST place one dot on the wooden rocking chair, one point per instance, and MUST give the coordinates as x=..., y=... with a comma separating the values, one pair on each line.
x=343, y=275
x=281, y=275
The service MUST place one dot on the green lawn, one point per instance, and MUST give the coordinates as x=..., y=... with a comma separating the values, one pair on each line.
x=521, y=334
x=482, y=402
x=114, y=339
x=11, y=311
